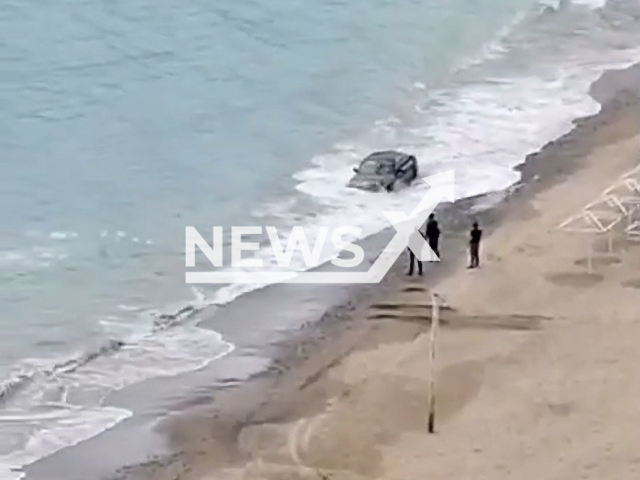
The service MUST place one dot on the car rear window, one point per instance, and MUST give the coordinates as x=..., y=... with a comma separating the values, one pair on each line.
x=376, y=167
x=369, y=167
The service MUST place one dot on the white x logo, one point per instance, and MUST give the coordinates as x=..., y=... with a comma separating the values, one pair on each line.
x=409, y=226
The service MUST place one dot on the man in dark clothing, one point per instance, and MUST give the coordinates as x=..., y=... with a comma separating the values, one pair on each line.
x=433, y=234
x=413, y=259
x=474, y=246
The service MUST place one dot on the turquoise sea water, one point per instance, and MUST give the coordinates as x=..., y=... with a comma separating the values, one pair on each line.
x=123, y=122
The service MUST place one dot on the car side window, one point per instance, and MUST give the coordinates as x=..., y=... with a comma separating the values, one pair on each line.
x=387, y=168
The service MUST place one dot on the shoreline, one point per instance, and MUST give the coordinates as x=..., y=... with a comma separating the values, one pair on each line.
x=316, y=349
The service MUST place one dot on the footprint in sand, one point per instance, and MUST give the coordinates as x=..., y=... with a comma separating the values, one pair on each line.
x=529, y=249
x=635, y=283
x=578, y=280
x=494, y=258
x=415, y=289
x=561, y=409
x=599, y=261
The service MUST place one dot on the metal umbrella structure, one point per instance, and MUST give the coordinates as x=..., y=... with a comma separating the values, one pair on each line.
x=596, y=218
x=633, y=230
x=631, y=181
x=618, y=202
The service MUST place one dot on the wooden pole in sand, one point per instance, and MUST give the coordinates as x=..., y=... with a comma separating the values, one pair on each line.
x=435, y=322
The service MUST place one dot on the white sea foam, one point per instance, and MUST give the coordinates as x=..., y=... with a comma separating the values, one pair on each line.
x=129, y=308
x=161, y=354
x=72, y=390
x=54, y=431
x=34, y=258
x=594, y=4
x=562, y=4
x=63, y=235
x=12, y=256
x=496, y=47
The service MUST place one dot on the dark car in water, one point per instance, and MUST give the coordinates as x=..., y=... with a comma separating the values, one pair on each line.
x=386, y=170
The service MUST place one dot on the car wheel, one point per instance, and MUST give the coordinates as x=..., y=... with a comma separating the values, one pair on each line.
x=390, y=187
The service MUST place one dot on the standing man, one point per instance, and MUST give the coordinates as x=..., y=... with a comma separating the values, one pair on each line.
x=413, y=259
x=433, y=234
x=474, y=246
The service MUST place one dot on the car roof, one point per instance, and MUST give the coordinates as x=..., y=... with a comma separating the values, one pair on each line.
x=385, y=156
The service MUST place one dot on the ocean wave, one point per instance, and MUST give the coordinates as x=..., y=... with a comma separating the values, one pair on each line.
x=170, y=346
x=63, y=235
x=558, y=5
x=13, y=385
x=38, y=370
x=593, y=4
x=48, y=249
x=34, y=370
x=34, y=258
x=62, y=428
x=496, y=47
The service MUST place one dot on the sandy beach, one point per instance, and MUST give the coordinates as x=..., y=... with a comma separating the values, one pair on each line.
x=537, y=358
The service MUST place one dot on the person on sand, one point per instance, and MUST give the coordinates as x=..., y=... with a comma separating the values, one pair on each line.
x=413, y=259
x=433, y=234
x=474, y=246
